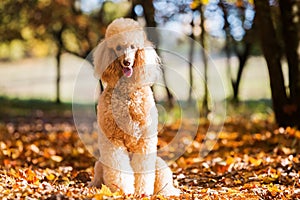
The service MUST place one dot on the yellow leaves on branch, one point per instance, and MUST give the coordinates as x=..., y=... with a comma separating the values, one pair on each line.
x=238, y=3
x=196, y=3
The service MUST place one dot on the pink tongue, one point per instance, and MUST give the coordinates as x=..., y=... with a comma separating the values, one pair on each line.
x=127, y=71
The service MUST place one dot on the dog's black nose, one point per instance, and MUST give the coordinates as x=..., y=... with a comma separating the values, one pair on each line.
x=126, y=63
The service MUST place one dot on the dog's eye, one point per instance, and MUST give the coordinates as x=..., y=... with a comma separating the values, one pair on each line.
x=118, y=48
x=132, y=46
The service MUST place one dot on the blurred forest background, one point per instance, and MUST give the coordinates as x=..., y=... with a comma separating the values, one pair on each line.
x=254, y=45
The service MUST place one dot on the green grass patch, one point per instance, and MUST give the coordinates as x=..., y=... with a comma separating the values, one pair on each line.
x=14, y=107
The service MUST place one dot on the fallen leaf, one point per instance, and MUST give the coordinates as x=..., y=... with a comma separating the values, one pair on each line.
x=56, y=158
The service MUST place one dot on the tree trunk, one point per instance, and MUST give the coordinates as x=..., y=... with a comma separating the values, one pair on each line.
x=133, y=14
x=242, y=57
x=59, y=43
x=242, y=63
x=290, y=37
x=58, y=74
x=205, y=109
x=271, y=51
x=291, y=42
x=228, y=39
x=149, y=13
x=191, y=59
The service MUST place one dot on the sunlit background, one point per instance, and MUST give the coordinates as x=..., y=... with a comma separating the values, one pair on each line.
x=37, y=35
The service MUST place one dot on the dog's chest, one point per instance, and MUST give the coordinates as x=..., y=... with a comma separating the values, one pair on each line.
x=130, y=111
x=138, y=106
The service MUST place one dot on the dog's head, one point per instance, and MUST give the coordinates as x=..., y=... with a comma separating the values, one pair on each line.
x=126, y=54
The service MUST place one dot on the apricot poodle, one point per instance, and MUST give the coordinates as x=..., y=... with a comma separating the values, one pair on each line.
x=128, y=65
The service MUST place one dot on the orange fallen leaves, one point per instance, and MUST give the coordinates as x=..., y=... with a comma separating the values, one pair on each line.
x=255, y=162
x=248, y=161
x=105, y=192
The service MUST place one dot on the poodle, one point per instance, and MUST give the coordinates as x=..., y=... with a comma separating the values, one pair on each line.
x=128, y=65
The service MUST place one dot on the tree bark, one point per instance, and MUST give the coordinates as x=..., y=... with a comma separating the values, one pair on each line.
x=228, y=38
x=271, y=51
x=58, y=75
x=191, y=59
x=59, y=42
x=133, y=14
x=149, y=13
x=242, y=63
x=291, y=41
x=205, y=109
x=242, y=57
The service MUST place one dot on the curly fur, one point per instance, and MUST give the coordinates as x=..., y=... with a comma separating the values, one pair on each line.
x=127, y=115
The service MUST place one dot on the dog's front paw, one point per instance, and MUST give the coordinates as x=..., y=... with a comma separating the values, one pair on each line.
x=98, y=176
x=170, y=191
x=95, y=183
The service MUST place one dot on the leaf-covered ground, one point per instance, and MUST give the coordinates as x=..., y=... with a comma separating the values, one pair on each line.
x=42, y=157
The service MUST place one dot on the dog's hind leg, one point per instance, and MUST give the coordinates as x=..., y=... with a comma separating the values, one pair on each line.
x=98, y=175
x=164, y=180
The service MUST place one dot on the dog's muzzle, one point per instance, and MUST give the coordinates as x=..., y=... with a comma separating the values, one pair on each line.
x=127, y=68
x=127, y=71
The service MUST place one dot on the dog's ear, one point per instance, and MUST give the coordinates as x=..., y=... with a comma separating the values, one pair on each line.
x=103, y=57
x=139, y=59
x=112, y=73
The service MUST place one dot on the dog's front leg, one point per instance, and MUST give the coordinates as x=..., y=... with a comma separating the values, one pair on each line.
x=117, y=172
x=116, y=169
x=143, y=164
